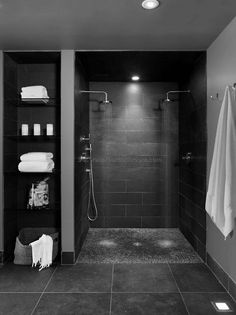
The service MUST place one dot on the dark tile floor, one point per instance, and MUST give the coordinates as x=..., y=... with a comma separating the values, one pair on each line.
x=111, y=289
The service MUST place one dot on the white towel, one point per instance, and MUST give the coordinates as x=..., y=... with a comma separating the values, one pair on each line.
x=35, y=91
x=221, y=196
x=42, y=252
x=36, y=166
x=36, y=156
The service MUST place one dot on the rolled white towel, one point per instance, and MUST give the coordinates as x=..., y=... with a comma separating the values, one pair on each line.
x=36, y=156
x=36, y=166
x=35, y=91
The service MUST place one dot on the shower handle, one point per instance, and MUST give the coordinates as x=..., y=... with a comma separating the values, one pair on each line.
x=84, y=157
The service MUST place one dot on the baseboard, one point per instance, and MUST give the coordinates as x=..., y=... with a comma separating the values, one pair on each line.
x=67, y=258
x=222, y=276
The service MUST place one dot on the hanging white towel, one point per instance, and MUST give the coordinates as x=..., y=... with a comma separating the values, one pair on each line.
x=221, y=196
x=42, y=252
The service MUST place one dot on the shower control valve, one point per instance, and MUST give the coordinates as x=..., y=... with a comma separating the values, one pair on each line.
x=84, y=158
x=84, y=138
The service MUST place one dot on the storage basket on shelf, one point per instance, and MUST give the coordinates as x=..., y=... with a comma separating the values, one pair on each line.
x=23, y=251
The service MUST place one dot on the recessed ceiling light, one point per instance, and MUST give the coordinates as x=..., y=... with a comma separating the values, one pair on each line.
x=222, y=307
x=150, y=4
x=135, y=78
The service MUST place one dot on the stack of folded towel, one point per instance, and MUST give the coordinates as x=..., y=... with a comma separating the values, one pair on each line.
x=38, y=162
x=35, y=91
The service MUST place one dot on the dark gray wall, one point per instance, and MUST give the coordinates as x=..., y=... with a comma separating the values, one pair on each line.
x=221, y=71
x=135, y=151
x=1, y=155
x=192, y=135
x=81, y=177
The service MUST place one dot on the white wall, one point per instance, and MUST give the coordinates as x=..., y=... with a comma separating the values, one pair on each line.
x=221, y=71
x=67, y=150
x=1, y=150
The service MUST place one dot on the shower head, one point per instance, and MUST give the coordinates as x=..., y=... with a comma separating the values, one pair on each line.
x=105, y=101
x=170, y=92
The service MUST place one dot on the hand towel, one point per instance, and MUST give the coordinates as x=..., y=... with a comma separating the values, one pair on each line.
x=221, y=196
x=36, y=156
x=36, y=166
x=42, y=252
x=35, y=91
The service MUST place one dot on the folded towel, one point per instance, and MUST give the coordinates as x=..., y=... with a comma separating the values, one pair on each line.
x=42, y=252
x=36, y=156
x=36, y=166
x=35, y=91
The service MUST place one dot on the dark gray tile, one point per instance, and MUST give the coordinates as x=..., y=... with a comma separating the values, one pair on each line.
x=195, y=278
x=159, y=222
x=15, y=278
x=218, y=271
x=200, y=303
x=146, y=186
x=147, y=304
x=143, y=278
x=232, y=288
x=123, y=222
x=81, y=278
x=73, y=303
x=153, y=198
x=119, y=198
x=145, y=210
x=17, y=303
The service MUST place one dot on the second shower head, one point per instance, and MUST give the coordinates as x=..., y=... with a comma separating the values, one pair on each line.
x=172, y=92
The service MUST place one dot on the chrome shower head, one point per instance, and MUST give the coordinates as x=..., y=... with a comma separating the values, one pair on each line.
x=106, y=102
x=169, y=92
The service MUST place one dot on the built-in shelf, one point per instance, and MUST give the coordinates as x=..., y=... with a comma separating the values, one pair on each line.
x=33, y=138
x=17, y=172
x=31, y=102
x=33, y=210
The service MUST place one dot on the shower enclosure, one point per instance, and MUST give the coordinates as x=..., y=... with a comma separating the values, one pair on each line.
x=138, y=141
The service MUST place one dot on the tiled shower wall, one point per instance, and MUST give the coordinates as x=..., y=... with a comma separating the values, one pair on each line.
x=192, y=184
x=135, y=155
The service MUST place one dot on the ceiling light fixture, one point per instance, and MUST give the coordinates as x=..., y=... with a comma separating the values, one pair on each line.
x=150, y=4
x=135, y=78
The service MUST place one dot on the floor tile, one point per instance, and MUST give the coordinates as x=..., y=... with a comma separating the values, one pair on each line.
x=147, y=304
x=74, y=304
x=17, y=303
x=195, y=278
x=14, y=278
x=82, y=278
x=143, y=278
x=200, y=303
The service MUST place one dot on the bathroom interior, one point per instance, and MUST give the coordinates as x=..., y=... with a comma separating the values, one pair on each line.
x=130, y=130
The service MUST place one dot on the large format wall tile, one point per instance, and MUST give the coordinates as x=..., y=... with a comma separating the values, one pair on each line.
x=135, y=155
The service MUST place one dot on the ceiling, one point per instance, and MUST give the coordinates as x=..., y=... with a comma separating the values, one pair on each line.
x=112, y=24
x=150, y=66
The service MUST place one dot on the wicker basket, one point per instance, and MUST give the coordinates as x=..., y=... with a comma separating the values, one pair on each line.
x=23, y=251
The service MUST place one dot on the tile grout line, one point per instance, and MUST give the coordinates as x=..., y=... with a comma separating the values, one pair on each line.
x=178, y=289
x=112, y=276
x=37, y=303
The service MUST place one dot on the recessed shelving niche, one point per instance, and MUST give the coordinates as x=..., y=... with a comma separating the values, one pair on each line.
x=25, y=69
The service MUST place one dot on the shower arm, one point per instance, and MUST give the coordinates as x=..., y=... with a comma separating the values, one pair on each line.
x=97, y=92
x=177, y=91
